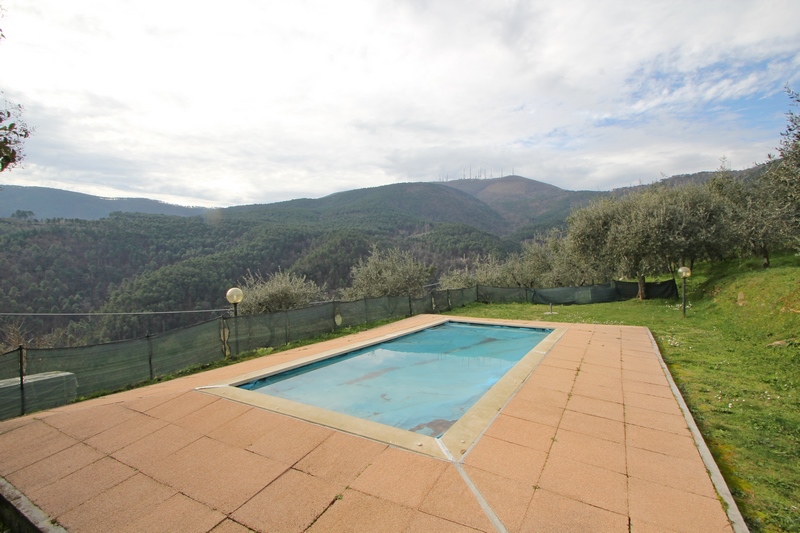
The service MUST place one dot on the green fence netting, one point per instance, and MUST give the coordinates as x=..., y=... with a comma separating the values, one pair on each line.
x=503, y=294
x=9, y=365
x=57, y=376
x=255, y=331
x=309, y=322
x=440, y=301
x=608, y=292
x=461, y=297
x=102, y=367
x=421, y=306
x=41, y=391
x=194, y=345
x=351, y=313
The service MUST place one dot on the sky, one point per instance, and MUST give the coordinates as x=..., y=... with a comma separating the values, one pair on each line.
x=259, y=101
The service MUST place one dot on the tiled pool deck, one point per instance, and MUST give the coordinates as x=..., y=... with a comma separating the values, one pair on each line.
x=594, y=440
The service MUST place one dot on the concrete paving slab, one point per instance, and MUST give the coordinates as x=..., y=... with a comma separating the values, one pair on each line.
x=29, y=443
x=648, y=418
x=599, y=380
x=662, y=391
x=599, y=392
x=508, y=498
x=290, y=440
x=451, y=499
x=654, y=403
x=681, y=446
x=522, y=432
x=425, y=523
x=216, y=474
x=595, y=426
x=508, y=460
x=134, y=428
x=541, y=396
x=144, y=453
x=400, y=477
x=552, y=513
x=357, y=512
x=56, y=466
x=301, y=498
x=71, y=491
x=211, y=416
x=684, y=474
x=115, y=508
x=596, y=407
x=540, y=413
x=594, y=485
x=229, y=526
x=674, y=509
x=590, y=450
x=85, y=422
x=341, y=458
x=180, y=406
x=247, y=428
x=178, y=513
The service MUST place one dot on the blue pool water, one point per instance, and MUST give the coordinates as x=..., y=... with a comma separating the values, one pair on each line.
x=420, y=382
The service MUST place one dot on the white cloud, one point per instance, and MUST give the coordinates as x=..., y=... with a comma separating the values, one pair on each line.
x=258, y=101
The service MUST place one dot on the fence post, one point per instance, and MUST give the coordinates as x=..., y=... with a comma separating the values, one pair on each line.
x=410, y=309
x=150, y=356
x=236, y=333
x=22, y=378
x=286, y=327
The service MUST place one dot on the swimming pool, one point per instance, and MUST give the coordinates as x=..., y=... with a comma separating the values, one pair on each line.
x=421, y=382
x=438, y=435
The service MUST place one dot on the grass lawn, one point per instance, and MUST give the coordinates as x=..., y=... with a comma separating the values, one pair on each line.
x=741, y=388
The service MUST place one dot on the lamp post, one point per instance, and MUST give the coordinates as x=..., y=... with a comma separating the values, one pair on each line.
x=234, y=296
x=684, y=272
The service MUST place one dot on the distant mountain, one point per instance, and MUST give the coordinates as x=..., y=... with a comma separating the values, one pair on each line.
x=527, y=205
x=503, y=206
x=46, y=203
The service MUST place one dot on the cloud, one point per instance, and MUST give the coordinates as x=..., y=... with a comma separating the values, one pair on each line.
x=264, y=101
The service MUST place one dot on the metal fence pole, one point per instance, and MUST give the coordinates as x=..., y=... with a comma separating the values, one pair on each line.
x=22, y=378
x=150, y=355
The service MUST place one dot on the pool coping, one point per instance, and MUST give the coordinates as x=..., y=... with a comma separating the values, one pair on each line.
x=452, y=445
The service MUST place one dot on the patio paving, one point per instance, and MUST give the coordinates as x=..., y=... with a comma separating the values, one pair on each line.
x=594, y=440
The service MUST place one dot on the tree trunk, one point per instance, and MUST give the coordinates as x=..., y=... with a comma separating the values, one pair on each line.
x=765, y=255
x=641, y=295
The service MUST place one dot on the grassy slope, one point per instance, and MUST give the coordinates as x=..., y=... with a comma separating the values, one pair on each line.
x=743, y=393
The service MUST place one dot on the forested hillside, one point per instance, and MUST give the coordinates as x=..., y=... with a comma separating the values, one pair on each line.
x=137, y=262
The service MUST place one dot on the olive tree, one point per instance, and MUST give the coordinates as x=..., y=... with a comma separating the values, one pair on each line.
x=783, y=178
x=483, y=270
x=279, y=291
x=587, y=244
x=750, y=214
x=529, y=268
x=13, y=132
x=391, y=272
x=646, y=233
